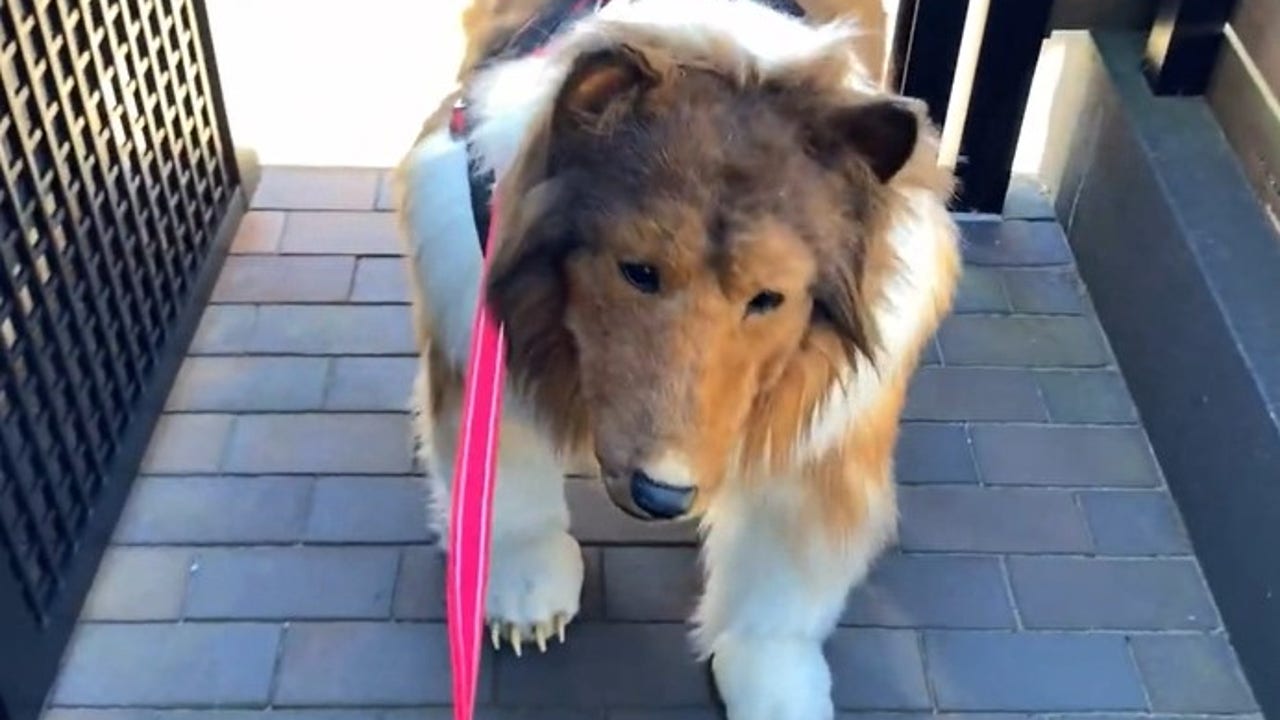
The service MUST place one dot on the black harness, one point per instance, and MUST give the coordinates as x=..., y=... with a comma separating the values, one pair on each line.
x=529, y=39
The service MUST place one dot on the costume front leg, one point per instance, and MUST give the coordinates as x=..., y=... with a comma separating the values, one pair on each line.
x=775, y=589
x=536, y=568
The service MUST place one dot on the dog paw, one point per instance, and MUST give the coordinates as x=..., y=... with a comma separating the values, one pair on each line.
x=534, y=589
x=772, y=679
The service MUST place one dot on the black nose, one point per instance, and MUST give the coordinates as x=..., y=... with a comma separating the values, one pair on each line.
x=660, y=500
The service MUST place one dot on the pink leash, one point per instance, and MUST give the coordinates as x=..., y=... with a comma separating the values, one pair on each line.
x=471, y=511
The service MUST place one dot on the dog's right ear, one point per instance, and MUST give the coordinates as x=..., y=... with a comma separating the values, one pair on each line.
x=601, y=85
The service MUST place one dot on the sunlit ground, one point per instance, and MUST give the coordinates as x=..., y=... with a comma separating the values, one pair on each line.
x=348, y=82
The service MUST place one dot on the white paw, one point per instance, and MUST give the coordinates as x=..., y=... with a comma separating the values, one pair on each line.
x=534, y=587
x=772, y=678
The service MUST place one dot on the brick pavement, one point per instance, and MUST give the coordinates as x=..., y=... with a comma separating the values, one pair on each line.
x=273, y=557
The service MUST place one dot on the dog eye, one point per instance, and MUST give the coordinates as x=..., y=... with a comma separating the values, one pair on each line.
x=643, y=277
x=764, y=302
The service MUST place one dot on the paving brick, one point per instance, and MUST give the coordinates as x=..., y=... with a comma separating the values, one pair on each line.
x=654, y=584
x=1064, y=455
x=380, y=280
x=259, y=233
x=1086, y=396
x=1192, y=674
x=363, y=663
x=1027, y=199
x=932, y=591
x=876, y=670
x=930, y=354
x=1022, y=340
x=187, y=443
x=1135, y=523
x=420, y=588
x=591, y=603
x=963, y=519
x=1087, y=594
x=423, y=713
x=371, y=383
x=607, y=664
x=331, y=330
x=996, y=671
x=291, y=583
x=1044, y=291
x=369, y=509
x=167, y=664
x=223, y=329
x=139, y=584
x=680, y=714
x=295, y=188
x=933, y=453
x=386, y=199
x=341, y=233
x=265, y=279
x=596, y=520
x=233, y=384
x=953, y=393
x=324, y=444
x=980, y=290
x=1014, y=242
x=200, y=510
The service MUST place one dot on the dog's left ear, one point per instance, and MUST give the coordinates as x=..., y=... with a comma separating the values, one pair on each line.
x=883, y=133
x=599, y=85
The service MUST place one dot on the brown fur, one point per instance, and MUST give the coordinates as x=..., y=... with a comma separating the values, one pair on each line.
x=730, y=185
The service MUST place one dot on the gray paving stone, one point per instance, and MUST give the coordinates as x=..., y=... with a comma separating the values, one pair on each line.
x=1064, y=455
x=331, y=330
x=341, y=233
x=202, y=510
x=1023, y=341
x=1017, y=520
x=1087, y=594
x=371, y=383
x=1014, y=242
x=380, y=280
x=1044, y=291
x=933, y=453
x=223, y=329
x=930, y=354
x=654, y=584
x=293, y=188
x=420, y=588
x=293, y=583
x=266, y=279
x=975, y=394
x=1027, y=199
x=187, y=443
x=607, y=665
x=231, y=384
x=1086, y=396
x=596, y=520
x=932, y=591
x=1135, y=523
x=680, y=714
x=418, y=713
x=386, y=199
x=324, y=444
x=981, y=291
x=1192, y=674
x=139, y=584
x=592, y=602
x=877, y=670
x=1032, y=672
x=259, y=233
x=167, y=664
x=369, y=509
x=364, y=663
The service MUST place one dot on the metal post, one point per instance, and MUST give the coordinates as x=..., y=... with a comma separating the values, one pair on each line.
x=1007, y=62
x=1182, y=47
x=926, y=42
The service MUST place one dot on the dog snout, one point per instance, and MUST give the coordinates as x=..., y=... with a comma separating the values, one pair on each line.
x=644, y=494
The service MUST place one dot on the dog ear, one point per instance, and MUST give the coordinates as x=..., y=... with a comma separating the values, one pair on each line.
x=599, y=84
x=884, y=133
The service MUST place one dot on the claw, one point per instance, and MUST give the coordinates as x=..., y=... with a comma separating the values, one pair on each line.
x=560, y=623
x=540, y=632
x=515, y=640
x=495, y=635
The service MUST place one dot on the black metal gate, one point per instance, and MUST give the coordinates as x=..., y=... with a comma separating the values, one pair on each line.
x=118, y=194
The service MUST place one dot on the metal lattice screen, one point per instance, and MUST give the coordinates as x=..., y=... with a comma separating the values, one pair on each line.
x=116, y=180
